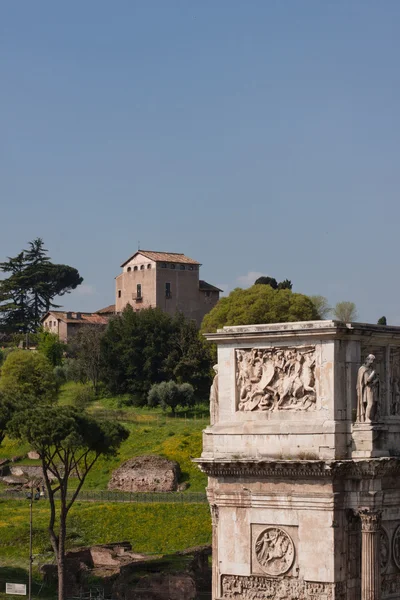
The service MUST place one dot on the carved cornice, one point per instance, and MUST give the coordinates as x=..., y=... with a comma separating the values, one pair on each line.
x=301, y=469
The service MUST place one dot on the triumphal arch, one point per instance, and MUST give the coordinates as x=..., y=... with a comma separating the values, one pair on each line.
x=302, y=456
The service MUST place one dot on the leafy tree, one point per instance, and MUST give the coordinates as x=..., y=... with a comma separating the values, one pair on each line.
x=382, y=321
x=322, y=306
x=69, y=442
x=51, y=347
x=259, y=304
x=189, y=356
x=86, y=348
x=267, y=281
x=31, y=287
x=170, y=394
x=28, y=375
x=286, y=284
x=345, y=311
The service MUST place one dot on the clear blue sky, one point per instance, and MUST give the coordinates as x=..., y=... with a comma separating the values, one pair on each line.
x=255, y=136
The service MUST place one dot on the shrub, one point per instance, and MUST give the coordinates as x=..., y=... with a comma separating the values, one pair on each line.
x=59, y=376
x=29, y=375
x=83, y=396
x=170, y=394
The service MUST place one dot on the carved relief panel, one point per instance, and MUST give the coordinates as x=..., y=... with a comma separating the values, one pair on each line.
x=394, y=382
x=276, y=379
x=273, y=550
x=237, y=587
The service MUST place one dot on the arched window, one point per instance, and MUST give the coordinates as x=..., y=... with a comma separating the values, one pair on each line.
x=149, y=266
x=135, y=268
x=141, y=267
x=129, y=269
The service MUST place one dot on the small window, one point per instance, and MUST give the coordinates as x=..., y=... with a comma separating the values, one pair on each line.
x=207, y=294
x=129, y=269
x=135, y=268
x=149, y=266
x=168, y=290
x=182, y=267
x=119, y=293
x=139, y=290
x=190, y=267
x=141, y=267
x=163, y=265
x=172, y=265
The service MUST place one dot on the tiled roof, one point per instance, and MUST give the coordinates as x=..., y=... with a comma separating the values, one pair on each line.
x=71, y=317
x=107, y=310
x=173, y=257
x=207, y=287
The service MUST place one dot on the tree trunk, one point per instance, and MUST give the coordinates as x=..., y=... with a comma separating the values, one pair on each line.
x=61, y=556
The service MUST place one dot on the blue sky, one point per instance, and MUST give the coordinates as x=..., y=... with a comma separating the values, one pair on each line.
x=257, y=137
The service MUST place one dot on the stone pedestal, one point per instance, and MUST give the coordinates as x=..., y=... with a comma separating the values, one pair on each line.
x=294, y=480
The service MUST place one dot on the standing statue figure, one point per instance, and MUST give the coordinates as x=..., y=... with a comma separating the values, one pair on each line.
x=214, y=397
x=367, y=391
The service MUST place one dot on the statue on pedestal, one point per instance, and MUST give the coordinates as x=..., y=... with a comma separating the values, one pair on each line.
x=367, y=391
x=214, y=397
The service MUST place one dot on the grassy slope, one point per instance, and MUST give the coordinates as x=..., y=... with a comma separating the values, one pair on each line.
x=151, y=528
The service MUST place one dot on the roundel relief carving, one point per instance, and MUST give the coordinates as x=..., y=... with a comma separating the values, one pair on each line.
x=274, y=551
x=396, y=547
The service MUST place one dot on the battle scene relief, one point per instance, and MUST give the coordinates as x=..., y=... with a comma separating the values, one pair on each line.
x=274, y=379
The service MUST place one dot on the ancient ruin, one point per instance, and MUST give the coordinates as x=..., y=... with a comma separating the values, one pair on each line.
x=303, y=459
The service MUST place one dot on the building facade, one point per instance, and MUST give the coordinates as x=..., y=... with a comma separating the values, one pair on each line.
x=165, y=280
x=66, y=324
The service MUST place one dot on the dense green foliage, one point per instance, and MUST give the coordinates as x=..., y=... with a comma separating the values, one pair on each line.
x=382, y=321
x=33, y=282
x=147, y=347
x=85, y=348
x=259, y=304
x=286, y=284
x=169, y=394
x=28, y=375
x=51, y=347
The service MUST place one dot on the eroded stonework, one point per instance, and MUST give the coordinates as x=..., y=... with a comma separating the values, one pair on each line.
x=396, y=547
x=276, y=379
x=384, y=550
x=274, y=550
x=236, y=587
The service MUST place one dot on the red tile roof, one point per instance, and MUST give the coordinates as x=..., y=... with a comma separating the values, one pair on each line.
x=173, y=257
x=107, y=310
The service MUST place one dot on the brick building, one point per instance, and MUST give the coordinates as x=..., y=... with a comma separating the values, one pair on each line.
x=66, y=324
x=166, y=280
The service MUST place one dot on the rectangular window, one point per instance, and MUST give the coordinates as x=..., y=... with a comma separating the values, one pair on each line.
x=183, y=267
x=168, y=290
x=139, y=290
x=119, y=293
x=163, y=265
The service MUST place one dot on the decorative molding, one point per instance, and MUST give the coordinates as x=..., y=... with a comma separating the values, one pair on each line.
x=276, y=379
x=274, y=549
x=256, y=587
x=373, y=468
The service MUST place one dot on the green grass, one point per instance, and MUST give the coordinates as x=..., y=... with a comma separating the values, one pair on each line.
x=151, y=432
x=151, y=528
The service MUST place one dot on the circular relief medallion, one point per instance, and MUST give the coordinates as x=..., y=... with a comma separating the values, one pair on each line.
x=396, y=547
x=275, y=551
x=385, y=550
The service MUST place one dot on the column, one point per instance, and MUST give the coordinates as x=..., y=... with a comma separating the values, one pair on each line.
x=370, y=554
